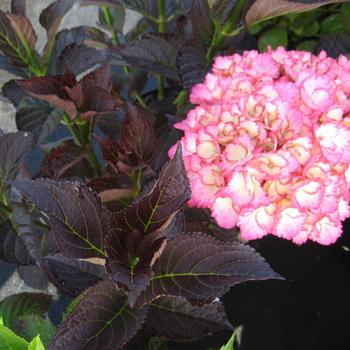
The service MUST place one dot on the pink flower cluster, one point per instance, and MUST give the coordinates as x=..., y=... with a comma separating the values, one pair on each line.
x=267, y=148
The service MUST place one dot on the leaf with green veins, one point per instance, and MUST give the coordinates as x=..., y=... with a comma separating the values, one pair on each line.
x=277, y=36
x=102, y=320
x=199, y=267
x=18, y=305
x=36, y=344
x=165, y=197
x=17, y=39
x=177, y=319
x=76, y=215
x=11, y=341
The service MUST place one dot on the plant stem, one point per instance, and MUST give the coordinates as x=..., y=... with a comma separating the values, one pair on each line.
x=180, y=99
x=221, y=33
x=161, y=29
x=5, y=209
x=91, y=156
x=68, y=123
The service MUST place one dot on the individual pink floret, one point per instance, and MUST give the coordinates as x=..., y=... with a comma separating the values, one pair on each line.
x=267, y=148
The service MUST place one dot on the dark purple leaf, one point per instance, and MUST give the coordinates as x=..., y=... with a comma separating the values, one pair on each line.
x=18, y=7
x=72, y=276
x=76, y=215
x=131, y=258
x=69, y=38
x=335, y=45
x=222, y=9
x=23, y=304
x=38, y=117
x=166, y=197
x=66, y=161
x=12, y=249
x=199, y=267
x=52, y=90
x=80, y=58
x=102, y=320
x=191, y=63
x=177, y=319
x=137, y=133
x=33, y=276
x=24, y=30
x=51, y=16
x=202, y=24
x=16, y=38
x=14, y=147
x=154, y=53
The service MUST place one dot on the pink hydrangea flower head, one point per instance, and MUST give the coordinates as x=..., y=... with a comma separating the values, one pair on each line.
x=267, y=148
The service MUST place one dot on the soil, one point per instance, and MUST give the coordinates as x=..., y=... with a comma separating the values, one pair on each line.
x=309, y=310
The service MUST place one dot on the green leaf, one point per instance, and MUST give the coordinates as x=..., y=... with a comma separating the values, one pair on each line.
x=19, y=305
x=229, y=345
x=345, y=15
x=10, y=341
x=308, y=45
x=195, y=266
x=177, y=319
x=36, y=344
x=102, y=320
x=262, y=10
x=332, y=25
x=275, y=37
x=29, y=326
x=76, y=215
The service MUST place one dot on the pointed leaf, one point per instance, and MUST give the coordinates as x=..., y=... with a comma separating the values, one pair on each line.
x=52, y=90
x=72, y=276
x=14, y=147
x=25, y=31
x=76, y=215
x=130, y=260
x=203, y=26
x=154, y=53
x=15, y=44
x=19, y=305
x=137, y=133
x=191, y=63
x=177, y=319
x=229, y=345
x=262, y=10
x=194, y=266
x=102, y=320
x=36, y=344
x=167, y=196
x=11, y=341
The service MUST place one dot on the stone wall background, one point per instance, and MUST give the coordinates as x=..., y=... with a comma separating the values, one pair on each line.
x=10, y=281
